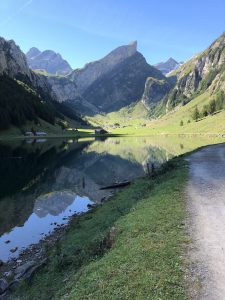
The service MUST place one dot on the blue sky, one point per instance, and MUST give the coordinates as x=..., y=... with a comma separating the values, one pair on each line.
x=86, y=30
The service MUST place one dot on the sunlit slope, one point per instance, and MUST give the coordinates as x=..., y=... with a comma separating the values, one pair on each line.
x=170, y=123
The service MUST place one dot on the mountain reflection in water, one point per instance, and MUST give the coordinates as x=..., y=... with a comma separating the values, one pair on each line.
x=42, y=183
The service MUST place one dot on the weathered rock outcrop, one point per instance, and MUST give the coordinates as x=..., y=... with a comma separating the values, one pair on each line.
x=155, y=91
x=48, y=61
x=203, y=71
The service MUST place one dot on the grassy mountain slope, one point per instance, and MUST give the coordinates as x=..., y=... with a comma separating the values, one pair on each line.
x=171, y=122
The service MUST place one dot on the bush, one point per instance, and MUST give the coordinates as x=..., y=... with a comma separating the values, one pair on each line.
x=195, y=114
x=181, y=123
x=212, y=106
x=205, y=111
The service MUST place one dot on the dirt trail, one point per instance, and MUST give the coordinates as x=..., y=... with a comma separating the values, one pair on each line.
x=206, y=205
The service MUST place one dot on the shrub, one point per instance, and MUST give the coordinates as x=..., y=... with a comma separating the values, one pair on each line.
x=212, y=106
x=205, y=111
x=181, y=123
x=195, y=114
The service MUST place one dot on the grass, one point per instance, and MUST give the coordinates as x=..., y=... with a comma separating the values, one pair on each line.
x=170, y=123
x=128, y=248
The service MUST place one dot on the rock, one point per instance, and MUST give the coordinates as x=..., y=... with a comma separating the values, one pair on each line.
x=21, y=270
x=3, y=285
x=13, y=250
x=32, y=271
x=103, y=199
x=19, y=261
x=91, y=205
x=7, y=242
x=49, y=61
x=154, y=91
x=8, y=274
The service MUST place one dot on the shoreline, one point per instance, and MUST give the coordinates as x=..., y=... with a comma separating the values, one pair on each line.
x=92, y=237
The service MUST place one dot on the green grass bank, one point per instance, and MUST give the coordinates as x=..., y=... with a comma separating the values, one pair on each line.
x=128, y=248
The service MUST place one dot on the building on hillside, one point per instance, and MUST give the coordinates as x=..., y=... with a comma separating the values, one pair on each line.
x=100, y=131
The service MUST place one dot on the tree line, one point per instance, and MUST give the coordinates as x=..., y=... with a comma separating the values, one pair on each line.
x=213, y=106
x=19, y=104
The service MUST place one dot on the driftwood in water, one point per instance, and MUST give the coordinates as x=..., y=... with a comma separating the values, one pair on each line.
x=116, y=185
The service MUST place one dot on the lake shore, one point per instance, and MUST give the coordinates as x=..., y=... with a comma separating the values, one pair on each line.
x=142, y=227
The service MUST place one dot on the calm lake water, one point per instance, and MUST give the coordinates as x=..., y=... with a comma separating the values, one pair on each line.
x=44, y=182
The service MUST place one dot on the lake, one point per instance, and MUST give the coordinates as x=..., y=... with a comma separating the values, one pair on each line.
x=45, y=182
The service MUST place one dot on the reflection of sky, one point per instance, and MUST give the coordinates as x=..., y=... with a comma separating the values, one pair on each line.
x=53, y=203
x=35, y=228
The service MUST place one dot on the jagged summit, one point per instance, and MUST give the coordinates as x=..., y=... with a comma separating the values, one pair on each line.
x=167, y=66
x=33, y=52
x=48, y=60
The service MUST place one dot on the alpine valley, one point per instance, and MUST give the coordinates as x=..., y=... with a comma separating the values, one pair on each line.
x=120, y=92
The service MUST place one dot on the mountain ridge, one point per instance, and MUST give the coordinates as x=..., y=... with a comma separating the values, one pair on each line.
x=168, y=66
x=47, y=60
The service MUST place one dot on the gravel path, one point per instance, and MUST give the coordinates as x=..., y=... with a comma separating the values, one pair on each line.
x=206, y=206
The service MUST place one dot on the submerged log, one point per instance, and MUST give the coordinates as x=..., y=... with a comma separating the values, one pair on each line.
x=116, y=185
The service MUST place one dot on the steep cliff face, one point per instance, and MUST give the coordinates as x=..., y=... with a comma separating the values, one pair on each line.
x=47, y=60
x=25, y=95
x=155, y=91
x=94, y=70
x=203, y=71
x=122, y=85
x=106, y=85
x=12, y=60
x=13, y=63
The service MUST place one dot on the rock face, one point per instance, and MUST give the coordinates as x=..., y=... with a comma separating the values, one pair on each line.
x=122, y=85
x=48, y=61
x=155, y=91
x=203, y=71
x=12, y=60
x=13, y=63
x=106, y=85
x=94, y=70
x=167, y=66
x=14, y=69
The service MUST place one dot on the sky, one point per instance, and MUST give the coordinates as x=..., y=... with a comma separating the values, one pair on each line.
x=86, y=30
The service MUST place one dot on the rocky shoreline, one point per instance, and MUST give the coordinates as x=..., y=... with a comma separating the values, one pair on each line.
x=30, y=260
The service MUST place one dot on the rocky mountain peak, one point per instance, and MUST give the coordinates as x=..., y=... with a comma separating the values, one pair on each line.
x=167, y=66
x=47, y=60
x=92, y=71
x=33, y=52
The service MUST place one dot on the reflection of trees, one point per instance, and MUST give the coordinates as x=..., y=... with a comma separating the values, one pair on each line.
x=23, y=172
x=30, y=173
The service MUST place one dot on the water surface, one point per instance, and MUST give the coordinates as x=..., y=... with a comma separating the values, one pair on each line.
x=44, y=182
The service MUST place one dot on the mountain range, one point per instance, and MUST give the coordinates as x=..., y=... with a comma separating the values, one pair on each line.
x=48, y=61
x=26, y=96
x=167, y=66
x=120, y=79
